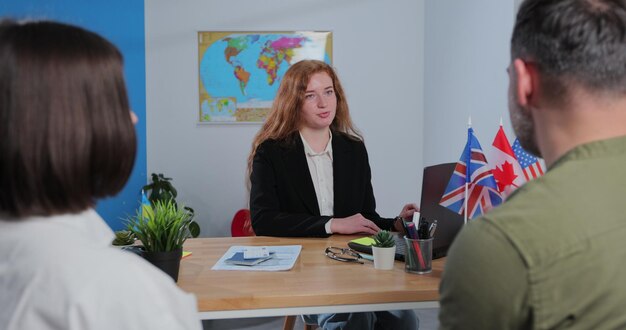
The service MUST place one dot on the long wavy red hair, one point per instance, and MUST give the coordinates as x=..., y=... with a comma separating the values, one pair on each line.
x=284, y=118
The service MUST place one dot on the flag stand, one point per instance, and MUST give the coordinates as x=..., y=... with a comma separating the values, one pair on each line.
x=471, y=178
x=468, y=157
x=465, y=213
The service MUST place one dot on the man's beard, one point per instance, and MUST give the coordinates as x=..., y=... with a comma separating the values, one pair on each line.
x=524, y=128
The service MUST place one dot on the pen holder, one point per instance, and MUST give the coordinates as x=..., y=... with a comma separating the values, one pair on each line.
x=419, y=255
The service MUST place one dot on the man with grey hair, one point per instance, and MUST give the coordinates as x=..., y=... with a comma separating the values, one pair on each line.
x=553, y=256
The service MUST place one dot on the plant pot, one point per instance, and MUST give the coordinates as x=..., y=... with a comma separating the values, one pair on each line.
x=169, y=261
x=384, y=257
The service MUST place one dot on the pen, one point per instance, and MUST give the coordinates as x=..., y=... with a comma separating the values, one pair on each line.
x=416, y=218
x=422, y=232
x=413, y=235
x=431, y=230
x=410, y=231
x=406, y=228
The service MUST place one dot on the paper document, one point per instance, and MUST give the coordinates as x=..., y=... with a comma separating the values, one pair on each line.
x=239, y=258
x=283, y=257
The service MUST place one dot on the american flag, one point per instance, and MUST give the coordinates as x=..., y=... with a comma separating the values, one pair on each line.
x=530, y=164
x=482, y=190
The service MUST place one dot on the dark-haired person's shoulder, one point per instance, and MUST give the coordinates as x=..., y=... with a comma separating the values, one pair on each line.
x=484, y=283
x=169, y=307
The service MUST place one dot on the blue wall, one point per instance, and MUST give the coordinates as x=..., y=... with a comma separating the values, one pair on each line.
x=122, y=22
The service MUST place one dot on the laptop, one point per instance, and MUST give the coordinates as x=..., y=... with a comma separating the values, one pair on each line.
x=449, y=223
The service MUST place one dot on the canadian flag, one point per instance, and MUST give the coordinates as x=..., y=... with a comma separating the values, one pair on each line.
x=506, y=169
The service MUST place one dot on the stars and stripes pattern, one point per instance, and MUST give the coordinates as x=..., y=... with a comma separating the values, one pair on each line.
x=531, y=166
x=482, y=191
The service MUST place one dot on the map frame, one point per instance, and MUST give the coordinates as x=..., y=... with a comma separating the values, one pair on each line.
x=244, y=115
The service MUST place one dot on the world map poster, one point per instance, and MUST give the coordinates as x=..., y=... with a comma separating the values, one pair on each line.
x=239, y=72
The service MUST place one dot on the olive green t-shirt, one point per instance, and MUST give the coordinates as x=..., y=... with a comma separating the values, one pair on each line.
x=552, y=257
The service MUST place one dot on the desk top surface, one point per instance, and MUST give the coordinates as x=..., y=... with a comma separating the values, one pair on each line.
x=313, y=281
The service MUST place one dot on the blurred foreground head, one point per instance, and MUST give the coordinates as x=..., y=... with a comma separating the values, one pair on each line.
x=66, y=136
x=567, y=46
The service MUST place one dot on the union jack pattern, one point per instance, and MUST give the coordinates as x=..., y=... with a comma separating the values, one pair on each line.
x=482, y=189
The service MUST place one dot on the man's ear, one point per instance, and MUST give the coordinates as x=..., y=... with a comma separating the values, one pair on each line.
x=525, y=76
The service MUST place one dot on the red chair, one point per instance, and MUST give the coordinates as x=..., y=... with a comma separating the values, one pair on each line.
x=241, y=225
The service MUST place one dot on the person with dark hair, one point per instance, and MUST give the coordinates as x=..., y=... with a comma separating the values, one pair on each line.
x=552, y=256
x=66, y=140
x=310, y=176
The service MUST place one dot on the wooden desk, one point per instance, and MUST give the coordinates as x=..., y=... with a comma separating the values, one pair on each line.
x=316, y=284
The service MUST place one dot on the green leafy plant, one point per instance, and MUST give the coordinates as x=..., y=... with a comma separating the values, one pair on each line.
x=384, y=239
x=161, y=227
x=123, y=237
x=162, y=189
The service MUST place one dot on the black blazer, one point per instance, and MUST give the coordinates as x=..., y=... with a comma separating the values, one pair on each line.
x=282, y=196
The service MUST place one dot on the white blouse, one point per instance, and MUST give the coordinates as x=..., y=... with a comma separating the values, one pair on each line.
x=321, y=169
x=61, y=272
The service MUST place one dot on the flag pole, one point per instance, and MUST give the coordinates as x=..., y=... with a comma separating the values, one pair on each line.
x=468, y=160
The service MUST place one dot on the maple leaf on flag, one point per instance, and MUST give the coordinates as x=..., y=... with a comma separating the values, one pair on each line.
x=506, y=168
x=505, y=176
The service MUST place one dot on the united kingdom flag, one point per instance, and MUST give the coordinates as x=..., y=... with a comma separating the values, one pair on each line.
x=482, y=190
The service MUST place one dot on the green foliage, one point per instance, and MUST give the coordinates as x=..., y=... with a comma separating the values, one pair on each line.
x=161, y=189
x=123, y=237
x=161, y=227
x=384, y=239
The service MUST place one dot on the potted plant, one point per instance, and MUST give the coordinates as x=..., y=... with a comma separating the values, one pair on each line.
x=123, y=238
x=161, y=189
x=162, y=229
x=384, y=250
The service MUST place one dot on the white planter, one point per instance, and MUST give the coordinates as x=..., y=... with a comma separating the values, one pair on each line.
x=384, y=257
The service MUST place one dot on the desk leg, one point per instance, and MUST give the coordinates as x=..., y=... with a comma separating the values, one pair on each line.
x=290, y=321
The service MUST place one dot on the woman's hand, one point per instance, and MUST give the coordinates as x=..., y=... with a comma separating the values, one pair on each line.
x=353, y=224
x=408, y=210
x=406, y=215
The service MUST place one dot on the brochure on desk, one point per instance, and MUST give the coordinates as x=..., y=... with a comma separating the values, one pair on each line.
x=283, y=258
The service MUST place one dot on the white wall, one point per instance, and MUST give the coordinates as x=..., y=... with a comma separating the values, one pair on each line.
x=466, y=56
x=379, y=57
